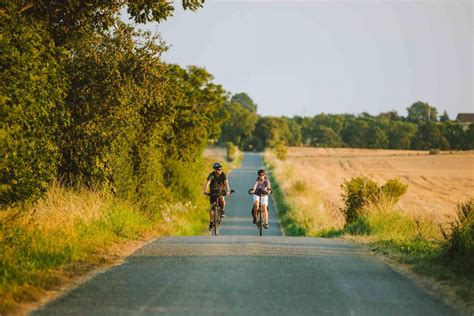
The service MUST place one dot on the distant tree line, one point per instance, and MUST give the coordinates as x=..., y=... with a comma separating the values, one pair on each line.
x=420, y=129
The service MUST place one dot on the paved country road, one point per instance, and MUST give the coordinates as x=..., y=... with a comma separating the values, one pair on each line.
x=240, y=273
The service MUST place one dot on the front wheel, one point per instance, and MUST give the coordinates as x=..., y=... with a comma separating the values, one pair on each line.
x=260, y=221
x=217, y=215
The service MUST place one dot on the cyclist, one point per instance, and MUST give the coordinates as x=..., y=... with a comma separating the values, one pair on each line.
x=217, y=182
x=262, y=185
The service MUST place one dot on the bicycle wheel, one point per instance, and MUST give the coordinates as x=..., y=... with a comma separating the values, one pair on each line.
x=217, y=214
x=260, y=220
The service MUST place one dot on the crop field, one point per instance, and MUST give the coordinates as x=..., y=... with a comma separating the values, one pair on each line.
x=436, y=183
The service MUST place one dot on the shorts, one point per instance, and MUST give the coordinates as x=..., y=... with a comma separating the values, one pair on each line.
x=264, y=200
x=213, y=199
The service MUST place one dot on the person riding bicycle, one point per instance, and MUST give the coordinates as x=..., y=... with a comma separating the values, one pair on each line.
x=217, y=182
x=261, y=187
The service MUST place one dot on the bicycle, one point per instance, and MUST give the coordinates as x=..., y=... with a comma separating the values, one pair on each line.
x=216, y=220
x=260, y=210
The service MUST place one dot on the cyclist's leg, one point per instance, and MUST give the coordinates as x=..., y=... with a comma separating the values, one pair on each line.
x=255, y=207
x=222, y=204
x=264, y=202
x=211, y=213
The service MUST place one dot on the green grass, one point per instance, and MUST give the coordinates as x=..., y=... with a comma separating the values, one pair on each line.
x=44, y=244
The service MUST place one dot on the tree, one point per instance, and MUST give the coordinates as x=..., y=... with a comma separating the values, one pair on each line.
x=32, y=92
x=272, y=130
x=455, y=134
x=445, y=117
x=400, y=134
x=69, y=21
x=376, y=137
x=354, y=133
x=469, y=142
x=244, y=100
x=429, y=136
x=391, y=116
x=325, y=136
x=421, y=112
x=239, y=125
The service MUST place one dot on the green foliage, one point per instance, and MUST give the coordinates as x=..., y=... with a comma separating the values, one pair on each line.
x=244, y=100
x=73, y=20
x=359, y=192
x=32, y=91
x=281, y=151
x=400, y=134
x=421, y=112
x=231, y=151
x=429, y=136
x=393, y=190
x=239, y=125
x=444, y=118
x=455, y=134
x=460, y=244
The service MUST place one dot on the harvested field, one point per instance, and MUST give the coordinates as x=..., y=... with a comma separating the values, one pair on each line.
x=436, y=183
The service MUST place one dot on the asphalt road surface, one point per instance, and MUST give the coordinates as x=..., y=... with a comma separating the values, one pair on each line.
x=240, y=273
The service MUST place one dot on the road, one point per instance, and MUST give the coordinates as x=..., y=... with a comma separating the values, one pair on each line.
x=240, y=273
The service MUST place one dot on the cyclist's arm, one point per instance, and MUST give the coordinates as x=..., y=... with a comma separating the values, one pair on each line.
x=204, y=190
x=227, y=186
x=254, y=187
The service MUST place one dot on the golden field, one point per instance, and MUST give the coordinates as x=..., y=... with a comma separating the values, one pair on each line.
x=436, y=183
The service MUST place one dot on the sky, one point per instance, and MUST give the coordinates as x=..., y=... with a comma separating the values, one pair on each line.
x=308, y=57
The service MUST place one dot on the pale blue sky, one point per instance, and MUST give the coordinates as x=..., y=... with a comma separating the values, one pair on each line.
x=308, y=57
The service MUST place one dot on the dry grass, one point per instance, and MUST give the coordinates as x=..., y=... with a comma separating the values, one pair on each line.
x=436, y=183
x=68, y=232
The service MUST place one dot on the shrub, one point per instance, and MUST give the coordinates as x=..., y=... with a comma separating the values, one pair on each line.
x=281, y=151
x=359, y=192
x=231, y=151
x=393, y=189
x=356, y=194
x=31, y=109
x=460, y=244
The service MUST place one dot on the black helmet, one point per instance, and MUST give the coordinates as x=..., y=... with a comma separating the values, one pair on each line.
x=216, y=165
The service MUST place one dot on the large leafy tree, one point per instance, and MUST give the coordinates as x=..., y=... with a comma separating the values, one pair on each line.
x=31, y=108
x=244, y=100
x=400, y=134
x=455, y=134
x=240, y=124
x=429, y=136
x=421, y=112
x=70, y=20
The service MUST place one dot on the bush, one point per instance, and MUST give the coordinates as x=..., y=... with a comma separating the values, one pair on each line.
x=460, y=244
x=359, y=192
x=231, y=151
x=394, y=189
x=281, y=151
x=356, y=194
x=31, y=109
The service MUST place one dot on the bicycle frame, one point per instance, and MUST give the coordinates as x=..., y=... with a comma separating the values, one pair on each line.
x=216, y=219
x=260, y=213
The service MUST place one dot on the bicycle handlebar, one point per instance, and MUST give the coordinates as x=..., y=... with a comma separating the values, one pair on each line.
x=223, y=193
x=262, y=191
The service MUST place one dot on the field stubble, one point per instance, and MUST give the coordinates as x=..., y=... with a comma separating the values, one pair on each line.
x=436, y=183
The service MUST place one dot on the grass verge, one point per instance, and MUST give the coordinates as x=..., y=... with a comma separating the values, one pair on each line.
x=70, y=232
